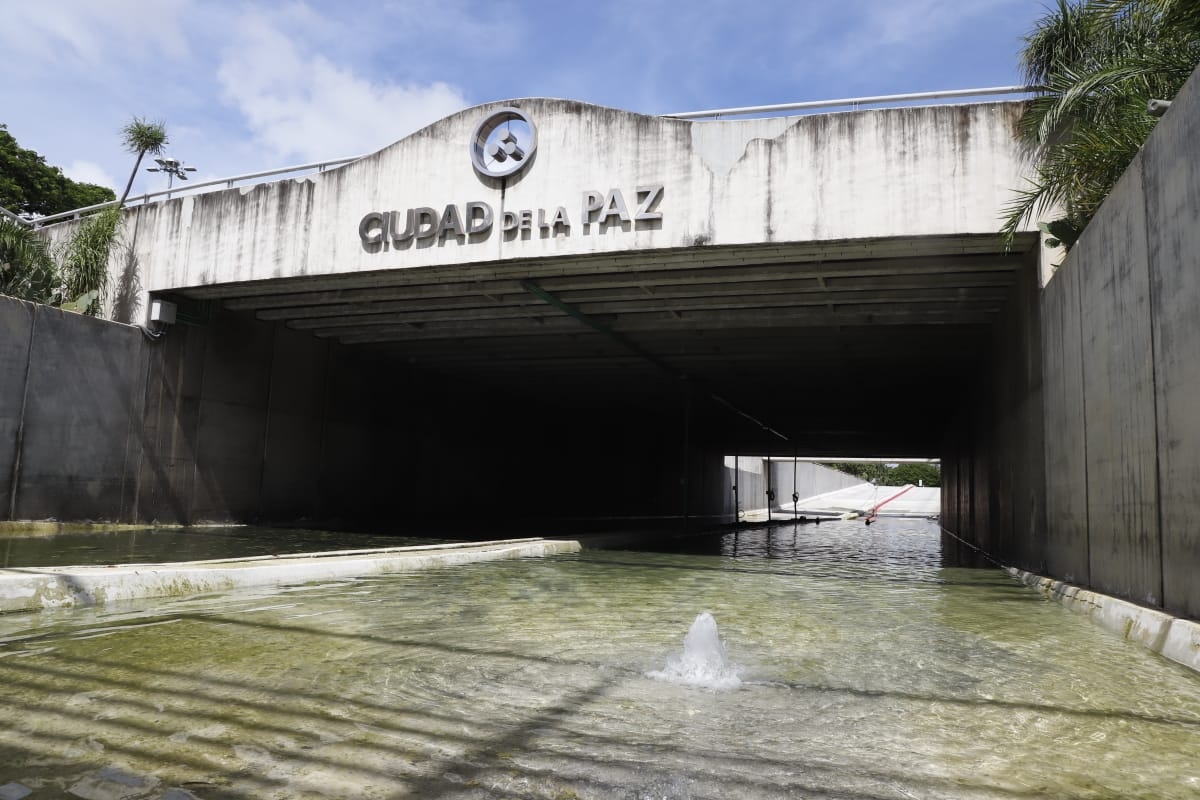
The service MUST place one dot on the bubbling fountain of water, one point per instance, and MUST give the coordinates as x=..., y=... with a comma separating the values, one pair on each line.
x=702, y=662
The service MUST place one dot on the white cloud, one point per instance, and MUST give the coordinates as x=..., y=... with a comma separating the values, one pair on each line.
x=90, y=172
x=302, y=105
x=94, y=34
x=889, y=34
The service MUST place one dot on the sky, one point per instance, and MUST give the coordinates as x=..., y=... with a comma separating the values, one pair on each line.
x=246, y=86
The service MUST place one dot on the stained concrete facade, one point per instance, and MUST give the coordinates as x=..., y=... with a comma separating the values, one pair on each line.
x=893, y=173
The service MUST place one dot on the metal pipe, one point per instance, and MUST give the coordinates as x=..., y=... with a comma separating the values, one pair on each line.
x=687, y=446
x=855, y=101
x=770, y=498
x=795, y=491
x=737, y=476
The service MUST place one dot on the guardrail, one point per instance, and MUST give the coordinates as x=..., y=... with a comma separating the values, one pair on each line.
x=321, y=166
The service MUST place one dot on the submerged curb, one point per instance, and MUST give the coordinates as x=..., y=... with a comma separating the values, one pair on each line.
x=1171, y=637
x=36, y=588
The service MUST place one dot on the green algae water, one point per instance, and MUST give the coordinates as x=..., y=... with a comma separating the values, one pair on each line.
x=864, y=670
x=20, y=548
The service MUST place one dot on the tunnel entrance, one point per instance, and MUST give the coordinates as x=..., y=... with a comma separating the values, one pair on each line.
x=583, y=392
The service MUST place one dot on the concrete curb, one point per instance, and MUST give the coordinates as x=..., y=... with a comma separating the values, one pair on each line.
x=36, y=588
x=1171, y=637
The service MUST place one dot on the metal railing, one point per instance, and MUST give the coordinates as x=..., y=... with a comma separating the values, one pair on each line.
x=321, y=166
x=4, y=212
x=224, y=183
x=855, y=102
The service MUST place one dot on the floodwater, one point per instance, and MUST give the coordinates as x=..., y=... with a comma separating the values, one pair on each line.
x=159, y=545
x=865, y=671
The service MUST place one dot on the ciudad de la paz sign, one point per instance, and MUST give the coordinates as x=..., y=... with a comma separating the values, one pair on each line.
x=474, y=221
x=502, y=145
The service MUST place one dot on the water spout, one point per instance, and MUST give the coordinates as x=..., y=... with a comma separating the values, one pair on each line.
x=702, y=662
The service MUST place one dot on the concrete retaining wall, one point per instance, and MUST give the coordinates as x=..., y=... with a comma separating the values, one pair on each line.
x=70, y=403
x=1171, y=637
x=1123, y=454
x=806, y=478
x=1087, y=467
x=993, y=496
x=240, y=420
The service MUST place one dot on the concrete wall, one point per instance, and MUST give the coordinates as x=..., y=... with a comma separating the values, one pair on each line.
x=805, y=478
x=1122, y=338
x=1087, y=468
x=993, y=497
x=69, y=403
x=907, y=172
x=241, y=420
x=235, y=421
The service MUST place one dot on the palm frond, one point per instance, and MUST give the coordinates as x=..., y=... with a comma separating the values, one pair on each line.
x=85, y=260
x=1098, y=63
x=26, y=269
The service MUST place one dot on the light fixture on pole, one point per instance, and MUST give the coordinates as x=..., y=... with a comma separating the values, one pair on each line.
x=174, y=169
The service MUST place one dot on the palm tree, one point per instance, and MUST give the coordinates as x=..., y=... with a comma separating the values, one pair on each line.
x=141, y=137
x=1183, y=14
x=1098, y=63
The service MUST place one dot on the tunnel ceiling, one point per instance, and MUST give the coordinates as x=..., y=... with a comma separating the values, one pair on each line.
x=854, y=348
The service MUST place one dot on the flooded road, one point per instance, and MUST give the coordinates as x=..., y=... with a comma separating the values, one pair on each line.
x=863, y=668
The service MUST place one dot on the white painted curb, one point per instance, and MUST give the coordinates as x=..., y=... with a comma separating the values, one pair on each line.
x=1171, y=637
x=32, y=589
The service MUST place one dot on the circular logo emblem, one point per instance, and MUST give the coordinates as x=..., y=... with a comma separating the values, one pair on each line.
x=503, y=143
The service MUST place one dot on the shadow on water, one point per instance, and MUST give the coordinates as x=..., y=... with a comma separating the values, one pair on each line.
x=231, y=710
x=475, y=652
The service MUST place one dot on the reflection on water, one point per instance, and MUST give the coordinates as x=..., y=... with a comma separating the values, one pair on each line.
x=158, y=545
x=867, y=671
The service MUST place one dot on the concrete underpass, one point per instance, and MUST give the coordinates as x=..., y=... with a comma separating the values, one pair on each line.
x=409, y=341
x=574, y=391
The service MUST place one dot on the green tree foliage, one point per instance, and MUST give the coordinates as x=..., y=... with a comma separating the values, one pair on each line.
x=27, y=271
x=80, y=281
x=28, y=185
x=892, y=474
x=1179, y=14
x=1098, y=64
x=916, y=474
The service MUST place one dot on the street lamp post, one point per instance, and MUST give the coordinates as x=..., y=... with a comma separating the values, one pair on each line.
x=174, y=169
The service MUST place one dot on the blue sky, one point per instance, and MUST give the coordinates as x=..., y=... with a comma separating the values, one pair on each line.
x=246, y=86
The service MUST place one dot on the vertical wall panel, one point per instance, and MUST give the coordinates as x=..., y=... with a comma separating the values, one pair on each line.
x=1066, y=451
x=1172, y=187
x=16, y=328
x=1118, y=381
